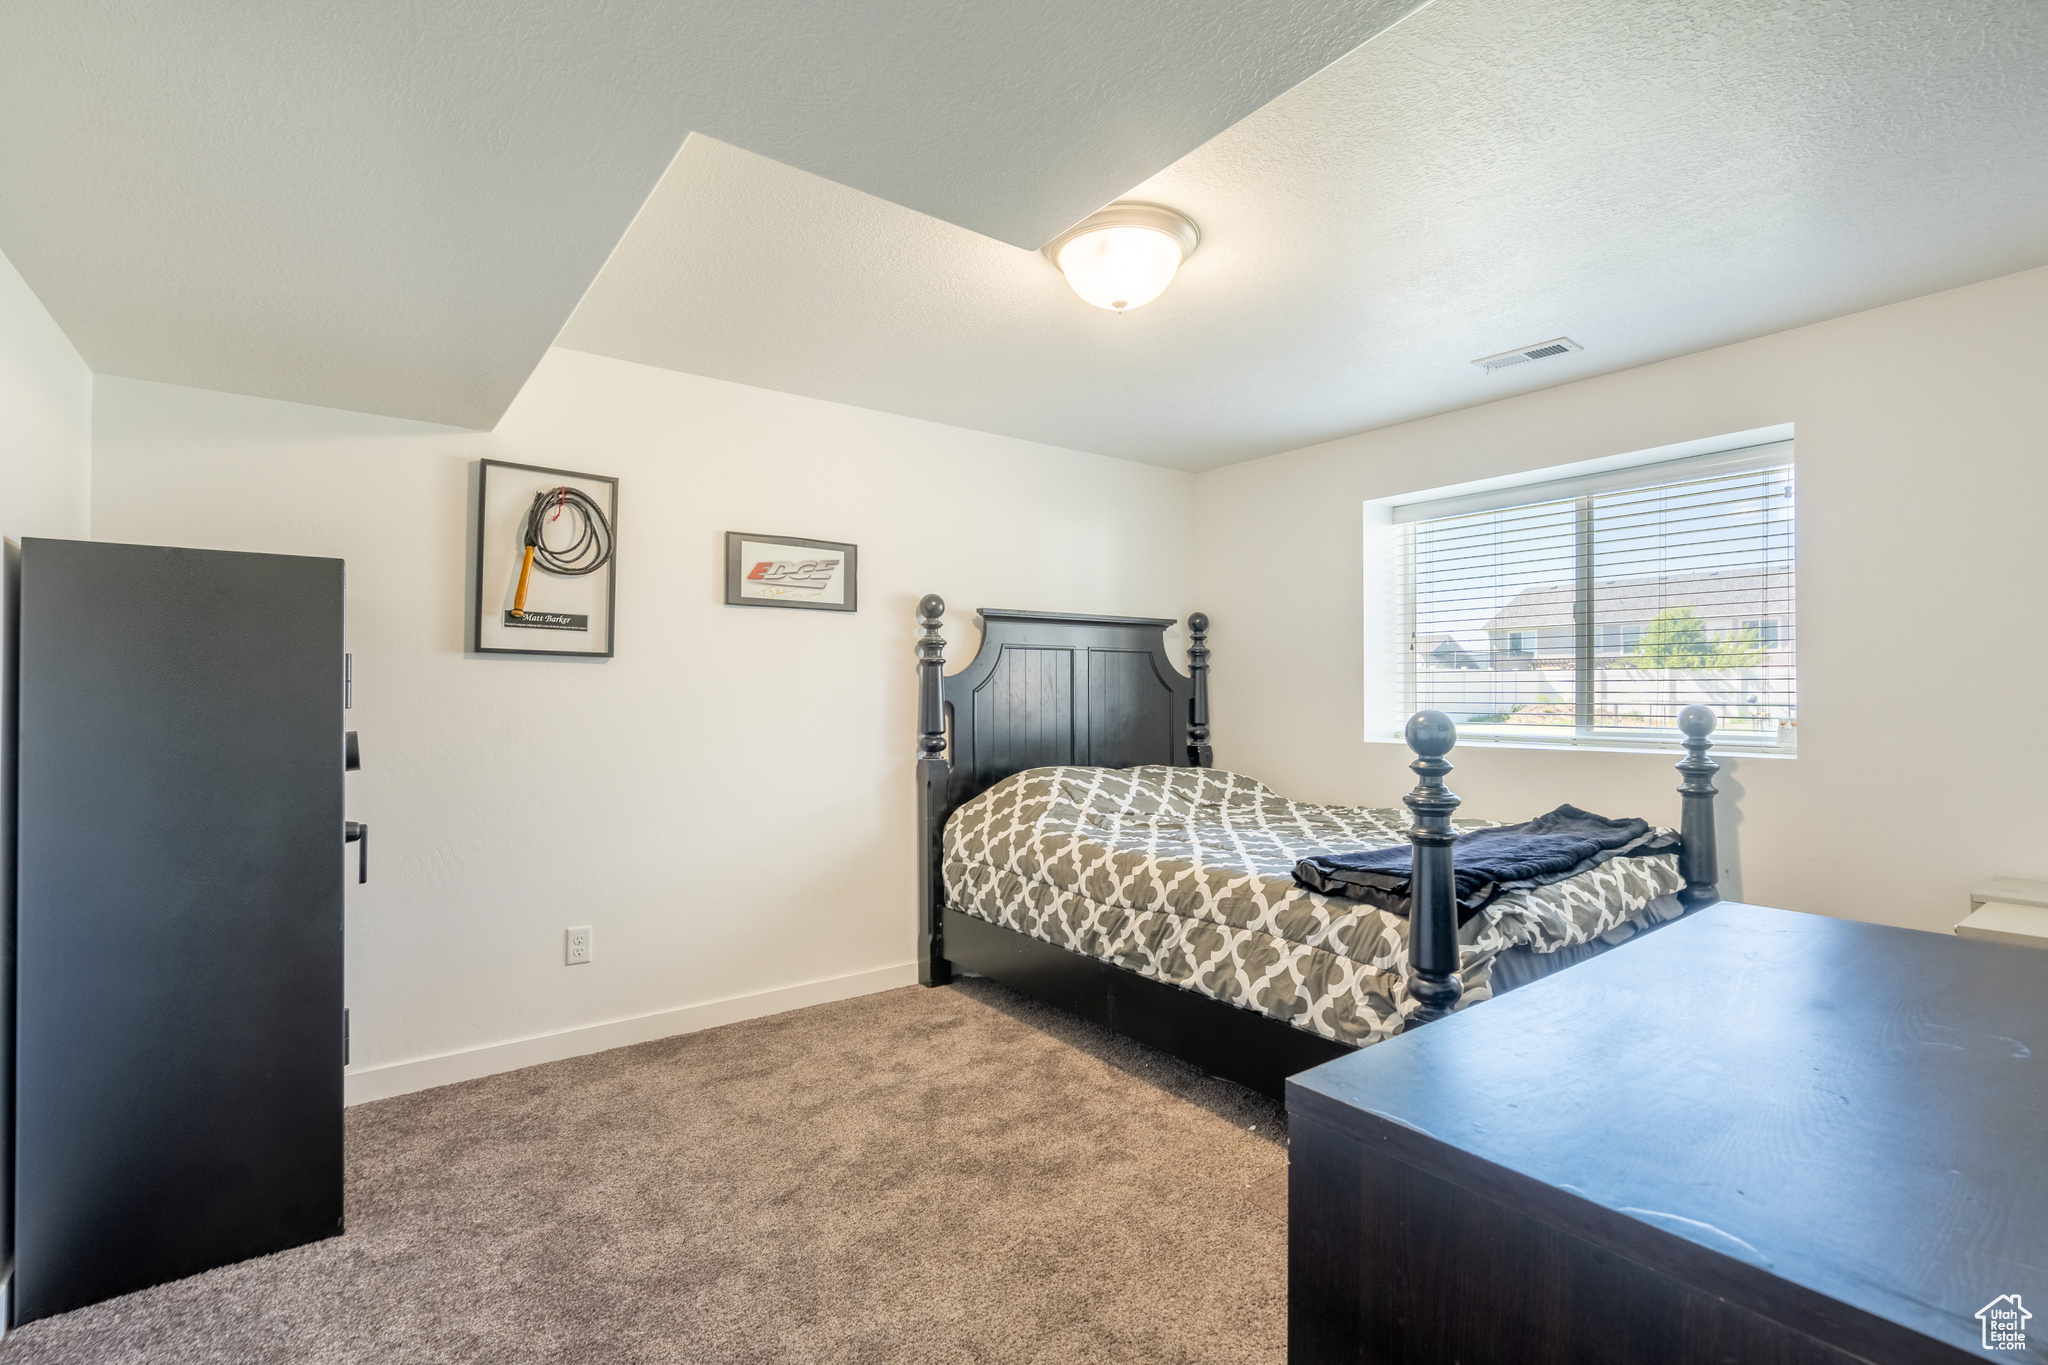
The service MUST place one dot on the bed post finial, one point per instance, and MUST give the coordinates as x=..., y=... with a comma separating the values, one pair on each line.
x=931, y=661
x=1433, y=889
x=934, y=773
x=1199, y=752
x=1698, y=859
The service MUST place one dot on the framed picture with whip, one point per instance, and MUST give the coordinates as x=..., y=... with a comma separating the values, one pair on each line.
x=546, y=561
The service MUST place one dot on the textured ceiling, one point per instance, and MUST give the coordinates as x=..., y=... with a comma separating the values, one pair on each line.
x=393, y=206
x=1647, y=179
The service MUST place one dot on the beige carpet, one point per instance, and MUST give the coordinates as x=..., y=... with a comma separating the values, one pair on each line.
x=923, y=1175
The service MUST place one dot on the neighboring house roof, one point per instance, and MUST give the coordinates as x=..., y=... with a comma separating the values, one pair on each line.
x=1636, y=601
x=1448, y=650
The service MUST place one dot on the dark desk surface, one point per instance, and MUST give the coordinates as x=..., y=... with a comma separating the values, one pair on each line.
x=1844, y=1124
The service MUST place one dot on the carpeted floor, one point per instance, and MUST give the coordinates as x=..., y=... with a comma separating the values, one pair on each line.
x=922, y=1175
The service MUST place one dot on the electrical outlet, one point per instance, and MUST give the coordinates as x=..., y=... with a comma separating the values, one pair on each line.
x=578, y=947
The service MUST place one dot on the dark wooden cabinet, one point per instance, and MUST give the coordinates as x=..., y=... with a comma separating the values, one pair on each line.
x=177, y=733
x=1754, y=1138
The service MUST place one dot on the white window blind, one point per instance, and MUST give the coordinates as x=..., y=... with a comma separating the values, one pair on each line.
x=1591, y=612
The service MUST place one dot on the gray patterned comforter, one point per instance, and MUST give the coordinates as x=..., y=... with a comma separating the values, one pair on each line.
x=1186, y=875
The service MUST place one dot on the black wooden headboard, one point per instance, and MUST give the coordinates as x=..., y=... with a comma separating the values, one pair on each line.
x=1045, y=689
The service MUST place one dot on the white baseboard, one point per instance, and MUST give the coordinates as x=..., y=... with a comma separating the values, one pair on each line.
x=363, y=1084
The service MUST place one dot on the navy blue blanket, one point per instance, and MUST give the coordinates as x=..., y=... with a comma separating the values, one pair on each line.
x=1485, y=861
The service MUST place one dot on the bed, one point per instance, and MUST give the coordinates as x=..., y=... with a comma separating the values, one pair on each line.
x=1076, y=844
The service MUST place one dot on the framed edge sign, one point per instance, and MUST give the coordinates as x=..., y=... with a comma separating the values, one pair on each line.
x=546, y=561
x=789, y=571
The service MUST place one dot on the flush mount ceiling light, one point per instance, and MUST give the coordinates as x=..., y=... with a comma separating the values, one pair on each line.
x=1124, y=256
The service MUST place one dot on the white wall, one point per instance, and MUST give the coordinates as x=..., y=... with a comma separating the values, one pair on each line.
x=45, y=419
x=45, y=485
x=1923, y=482
x=729, y=800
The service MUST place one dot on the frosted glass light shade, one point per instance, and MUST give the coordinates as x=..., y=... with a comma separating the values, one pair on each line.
x=1120, y=267
x=1125, y=256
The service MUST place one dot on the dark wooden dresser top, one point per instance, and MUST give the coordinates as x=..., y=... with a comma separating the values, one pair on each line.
x=1843, y=1126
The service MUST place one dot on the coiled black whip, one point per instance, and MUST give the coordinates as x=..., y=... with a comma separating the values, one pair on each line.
x=589, y=549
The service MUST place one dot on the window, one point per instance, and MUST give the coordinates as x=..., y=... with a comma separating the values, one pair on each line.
x=1618, y=639
x=1592, y=610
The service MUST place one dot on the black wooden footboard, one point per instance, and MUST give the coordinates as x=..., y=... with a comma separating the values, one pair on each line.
x=1433, y=907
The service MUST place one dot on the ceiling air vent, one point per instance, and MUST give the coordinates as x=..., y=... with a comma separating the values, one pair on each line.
x=1542, y=350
